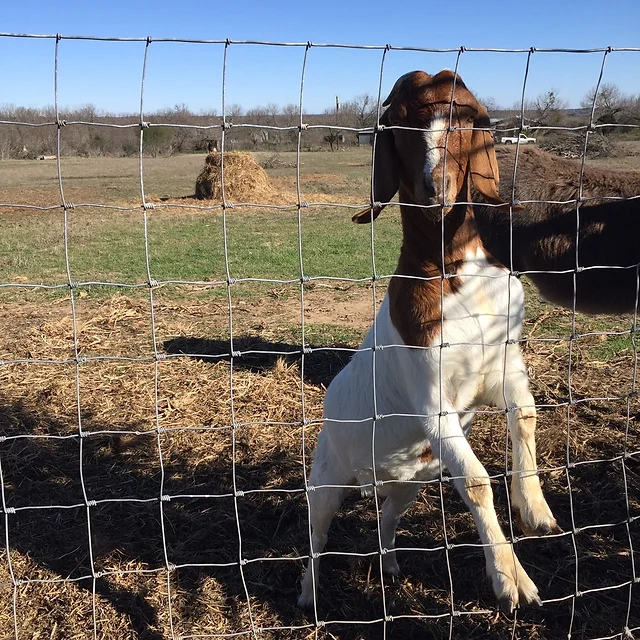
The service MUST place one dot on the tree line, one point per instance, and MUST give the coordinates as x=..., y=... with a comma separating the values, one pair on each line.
x=32, y=132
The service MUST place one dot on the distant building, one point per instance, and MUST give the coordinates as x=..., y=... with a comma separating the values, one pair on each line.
x=365, y=137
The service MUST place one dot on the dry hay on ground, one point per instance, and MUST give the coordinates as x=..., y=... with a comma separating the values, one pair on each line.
x=244, y=179
x=198, y=460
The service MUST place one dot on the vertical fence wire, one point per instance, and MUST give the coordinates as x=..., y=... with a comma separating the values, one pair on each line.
x=146, y=207
x=66, y=207
x=234, y=354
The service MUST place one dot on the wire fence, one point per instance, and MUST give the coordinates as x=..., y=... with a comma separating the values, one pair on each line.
x=319, y=622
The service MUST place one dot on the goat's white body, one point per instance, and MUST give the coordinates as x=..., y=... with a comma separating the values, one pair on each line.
x=413, y=385
x=421, y=396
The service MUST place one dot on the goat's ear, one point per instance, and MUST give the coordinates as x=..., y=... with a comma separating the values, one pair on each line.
x=483, y=164
x=385, y=173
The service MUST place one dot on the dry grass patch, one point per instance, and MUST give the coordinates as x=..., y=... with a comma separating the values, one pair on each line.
x=216, y=439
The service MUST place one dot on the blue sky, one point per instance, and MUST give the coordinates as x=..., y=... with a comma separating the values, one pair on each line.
x=108, y=74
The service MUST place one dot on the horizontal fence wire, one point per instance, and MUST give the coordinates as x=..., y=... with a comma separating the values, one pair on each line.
x=381, y=615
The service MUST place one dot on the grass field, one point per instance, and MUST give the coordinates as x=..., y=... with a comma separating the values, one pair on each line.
x=163, y=426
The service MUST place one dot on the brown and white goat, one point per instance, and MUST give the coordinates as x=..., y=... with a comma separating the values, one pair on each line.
x=544, y=233
x=445, y=340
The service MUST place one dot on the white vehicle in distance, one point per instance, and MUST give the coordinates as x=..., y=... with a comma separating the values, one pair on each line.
x=523, y=139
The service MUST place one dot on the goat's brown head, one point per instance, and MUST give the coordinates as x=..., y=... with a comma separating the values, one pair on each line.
x=416, y=160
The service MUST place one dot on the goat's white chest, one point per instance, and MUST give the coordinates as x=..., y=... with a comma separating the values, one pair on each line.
x=480, y=317
x=486, y=307
x=462, y=367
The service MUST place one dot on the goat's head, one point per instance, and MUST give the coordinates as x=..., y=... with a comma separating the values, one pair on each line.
x=430, y=162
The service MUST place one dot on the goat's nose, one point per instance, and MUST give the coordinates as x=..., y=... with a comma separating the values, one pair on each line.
x=429, y=188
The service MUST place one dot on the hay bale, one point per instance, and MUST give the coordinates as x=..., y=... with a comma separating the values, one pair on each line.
x=244, y=179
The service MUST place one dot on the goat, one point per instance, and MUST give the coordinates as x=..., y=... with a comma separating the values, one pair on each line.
x=444, y=341
x=544, y=235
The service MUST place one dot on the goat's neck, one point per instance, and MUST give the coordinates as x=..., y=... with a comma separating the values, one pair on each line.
x=422, y=242
x=415, y=304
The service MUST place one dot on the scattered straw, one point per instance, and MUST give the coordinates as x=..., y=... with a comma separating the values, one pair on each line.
x=198, y=448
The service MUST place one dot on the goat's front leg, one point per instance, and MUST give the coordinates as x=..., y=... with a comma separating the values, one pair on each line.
x=531, y=511
x=511, y=583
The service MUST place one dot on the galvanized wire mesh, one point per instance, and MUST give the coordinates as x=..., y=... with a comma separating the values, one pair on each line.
x=318, y=620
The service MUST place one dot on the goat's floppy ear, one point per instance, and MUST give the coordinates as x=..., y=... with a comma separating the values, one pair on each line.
x=385, y=173
x=483, y=164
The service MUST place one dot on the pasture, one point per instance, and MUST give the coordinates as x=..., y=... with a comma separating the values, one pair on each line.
x=181, y=510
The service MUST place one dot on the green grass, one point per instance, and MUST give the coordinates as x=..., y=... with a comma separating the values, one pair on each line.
x=110, y=246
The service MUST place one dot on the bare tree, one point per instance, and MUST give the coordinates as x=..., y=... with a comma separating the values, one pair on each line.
x=360, y=112
x=547, y=108
x=490, y=103
x=291, y=118
x=273, y=110
x=234, y=110
x=609, y=101
x=257, y=115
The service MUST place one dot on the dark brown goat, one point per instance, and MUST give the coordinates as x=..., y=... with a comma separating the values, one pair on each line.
x=544, y=234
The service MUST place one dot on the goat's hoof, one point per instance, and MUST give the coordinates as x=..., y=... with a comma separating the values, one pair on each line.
x=506, y=604
x=511, y=583
x=531, y=528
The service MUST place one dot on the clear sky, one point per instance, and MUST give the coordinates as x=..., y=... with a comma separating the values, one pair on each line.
x=108, y=74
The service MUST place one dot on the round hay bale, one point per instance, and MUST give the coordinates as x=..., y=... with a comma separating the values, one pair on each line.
x=244, y=179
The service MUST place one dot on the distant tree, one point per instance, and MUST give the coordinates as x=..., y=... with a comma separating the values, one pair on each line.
x=157, y=140
x=257, y=115
x=333, y=138
x=291, y=118
x=87, y=113
x=273, y=110
x=291, y=113
x=234, y=111
x=633, y=108
x=547, y=108
x=609, y=103
x=360, y=112
x=489, y=103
